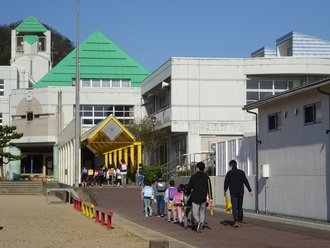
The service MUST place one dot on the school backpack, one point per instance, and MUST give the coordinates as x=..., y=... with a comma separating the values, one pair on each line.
x=177, y=198
x=123, y=167
x=147, y=191
x=171, y=192
x=161, y=185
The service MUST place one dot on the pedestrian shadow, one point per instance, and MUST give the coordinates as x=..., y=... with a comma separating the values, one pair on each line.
x=206, y=227
x=226, y=223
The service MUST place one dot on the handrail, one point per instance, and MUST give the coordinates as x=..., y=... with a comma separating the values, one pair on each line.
x=188, y=168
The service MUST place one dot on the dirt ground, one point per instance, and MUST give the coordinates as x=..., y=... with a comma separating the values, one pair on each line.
x=29, y=221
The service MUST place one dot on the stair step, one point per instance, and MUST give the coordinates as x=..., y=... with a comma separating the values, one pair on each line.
x=21, y=187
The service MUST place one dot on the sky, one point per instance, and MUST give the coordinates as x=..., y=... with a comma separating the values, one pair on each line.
x=153, y=31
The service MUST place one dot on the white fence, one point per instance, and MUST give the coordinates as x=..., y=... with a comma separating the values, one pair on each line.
x=242, y=150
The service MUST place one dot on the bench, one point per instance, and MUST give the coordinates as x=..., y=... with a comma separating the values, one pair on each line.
x=100, y=216
x=88, y=209
x=77, y=203
x=59, y=190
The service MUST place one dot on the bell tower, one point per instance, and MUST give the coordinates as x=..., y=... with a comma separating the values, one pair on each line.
x=31, y=51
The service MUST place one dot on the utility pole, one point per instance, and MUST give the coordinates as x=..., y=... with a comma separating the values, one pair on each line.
x=77, y=109
x=152, y=156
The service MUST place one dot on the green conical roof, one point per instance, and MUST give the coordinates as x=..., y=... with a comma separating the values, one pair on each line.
x=99, y=58
x=31, y=24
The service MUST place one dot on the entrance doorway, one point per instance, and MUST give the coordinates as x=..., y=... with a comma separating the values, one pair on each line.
x=32, y=164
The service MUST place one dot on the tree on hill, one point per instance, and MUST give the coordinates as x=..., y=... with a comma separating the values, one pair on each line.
x=61, y=45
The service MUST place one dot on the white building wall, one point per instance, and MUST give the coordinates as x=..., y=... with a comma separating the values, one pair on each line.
x=58, y=103
x=297, y=155
x=207, y=95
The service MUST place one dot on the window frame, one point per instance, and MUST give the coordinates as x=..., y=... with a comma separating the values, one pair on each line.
x=276, y=123
x=315, y=114
x=93, y=114
x=2, y=87
x=103, y=82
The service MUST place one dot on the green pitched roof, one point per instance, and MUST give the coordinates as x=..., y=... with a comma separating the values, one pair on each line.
x=31, y=38
x=99, y=58
x=31, y=24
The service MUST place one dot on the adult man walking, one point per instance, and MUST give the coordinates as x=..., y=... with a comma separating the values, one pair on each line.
x=200, y=185
x=235, y=180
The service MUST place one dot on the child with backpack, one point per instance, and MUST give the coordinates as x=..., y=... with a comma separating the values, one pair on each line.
x=147, y=195
x=169, y=195
x=118, y=177
x=187, y=205
x=159, y=190
x=178, y=196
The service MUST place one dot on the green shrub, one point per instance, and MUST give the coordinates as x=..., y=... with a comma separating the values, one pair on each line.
x=150, y=173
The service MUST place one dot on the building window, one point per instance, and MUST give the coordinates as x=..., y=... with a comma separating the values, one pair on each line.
x=162, y=101
x=274, y=122
x=19, y=44
x=42, y=44
x=312, y=113
x=29, y=116
x=0, y=119
x=2, y=87
x=32, y=164
x=259, y=89
x=103, y=83
x=93, y=114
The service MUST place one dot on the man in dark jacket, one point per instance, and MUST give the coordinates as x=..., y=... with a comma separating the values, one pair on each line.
x=235, y=180
x=200, y=185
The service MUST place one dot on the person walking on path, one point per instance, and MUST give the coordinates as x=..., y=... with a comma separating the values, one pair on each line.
x=236, y=179
x=146, y=195
x=159, y=190
x=102, y=175
x=187, y=207
x=97, y=177
x=118, y=177
x=84, y=176
x=110, y=176
x=169, y=195
x=140, y=175
x=199, y=186
x=178, y=200
x=123, y=172
x=90, y=176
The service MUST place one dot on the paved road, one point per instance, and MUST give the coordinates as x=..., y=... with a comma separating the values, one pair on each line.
x=256, y=231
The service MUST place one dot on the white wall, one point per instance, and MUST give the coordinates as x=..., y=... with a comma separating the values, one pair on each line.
x=298, y=156
x=207, y=94
x=60, y=101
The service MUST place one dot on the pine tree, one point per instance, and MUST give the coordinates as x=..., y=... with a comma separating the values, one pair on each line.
x=7, y=134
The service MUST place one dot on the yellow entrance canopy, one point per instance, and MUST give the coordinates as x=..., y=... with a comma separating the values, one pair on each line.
x=111, y=138
x=106, y=136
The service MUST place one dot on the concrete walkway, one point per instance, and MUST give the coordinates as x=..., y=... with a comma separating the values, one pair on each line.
x=258, y=231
